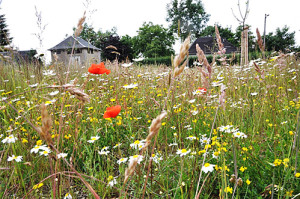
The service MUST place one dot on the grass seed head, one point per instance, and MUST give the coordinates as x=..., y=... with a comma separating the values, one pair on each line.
x=46, y=125
x=79, y=25
x=131, y=167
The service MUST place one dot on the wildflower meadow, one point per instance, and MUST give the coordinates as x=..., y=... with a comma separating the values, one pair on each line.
x=126, y=130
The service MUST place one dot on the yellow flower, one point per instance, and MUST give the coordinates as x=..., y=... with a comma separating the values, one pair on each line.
x=110, y=178
x=39, y=142
x=245, y=149
x=291, y=132
x=242, y=169
x=285, y=162
x=24, y=140
x=38, y=185
x=277, y=162
x=290, y=193
x=228, y=189
x=297, y=175
x=68, y=136
x=248, y=182
x=163, y=124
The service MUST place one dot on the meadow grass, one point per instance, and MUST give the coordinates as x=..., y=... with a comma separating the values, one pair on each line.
x=237, y=150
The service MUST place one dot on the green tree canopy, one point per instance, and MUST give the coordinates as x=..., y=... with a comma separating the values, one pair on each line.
x=225, y=33
x=122, y=51
x=5, y=38
x=153, y=41
x=187, y=16
x=282, y=39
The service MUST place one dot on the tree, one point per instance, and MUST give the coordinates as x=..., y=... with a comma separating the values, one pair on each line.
x=97, y=38
x=116, y=49
x=186, y=17
x=153, y=41
x=5, y=39
x=128, y=42
x=281, y=40
x=225, y=33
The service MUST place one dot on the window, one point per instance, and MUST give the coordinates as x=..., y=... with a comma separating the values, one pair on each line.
x=77, y=51
x=69, y=51
x=90, y=51
x=58, y=51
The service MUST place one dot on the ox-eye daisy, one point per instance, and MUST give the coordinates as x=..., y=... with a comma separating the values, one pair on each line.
x=9, y=139
x=121, y=160
x=16, y=158
x=183, y=152
x=208, y=167
x=138, y=157
x=93, y=139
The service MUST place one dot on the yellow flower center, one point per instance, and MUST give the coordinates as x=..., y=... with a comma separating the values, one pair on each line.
x=183, y=151
x=137, y=142
x=206, y=164
x=135, y=156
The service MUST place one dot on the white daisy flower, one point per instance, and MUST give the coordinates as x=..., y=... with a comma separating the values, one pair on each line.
x=191, y=138
x=117, y=145
x=68, y=196
x=93, y=139
x=130, y=86
x=38, y=147
x=126, y=65
x=204, y=140
x=226, y=129
x=156, y=158
x=173, y=144
x=138, y=59
x=62, y=155
x=111, y=181
x=103, y=152
x=54, y=93
x=207, y=167
x=183, y=152
x=10, y=139
x=45, y=152
x=253, y=94
x=138, y=157
x=138, y=144
x=239, y=134
x=33, y=85
x=192, y=101
x=122, y=160
x=194, y=112
x=16, y=158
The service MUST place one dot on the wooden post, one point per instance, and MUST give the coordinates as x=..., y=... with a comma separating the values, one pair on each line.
x=244, y=46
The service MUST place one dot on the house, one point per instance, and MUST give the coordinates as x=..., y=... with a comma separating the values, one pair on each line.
x=84, y=52
x=209, y=45
x=20, y=56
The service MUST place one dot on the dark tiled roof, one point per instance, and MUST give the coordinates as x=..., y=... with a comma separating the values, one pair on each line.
x=68, y=44
x=209, y=46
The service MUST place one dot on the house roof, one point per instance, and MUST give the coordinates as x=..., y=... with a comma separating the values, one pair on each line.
x=209, y=46
x=69, y=42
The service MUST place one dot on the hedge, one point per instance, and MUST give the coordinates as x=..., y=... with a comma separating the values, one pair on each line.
x=167, y=60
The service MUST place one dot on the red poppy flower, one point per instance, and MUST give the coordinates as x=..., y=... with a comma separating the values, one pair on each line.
x=112, y=111
x=202, y=90
x=98, y=69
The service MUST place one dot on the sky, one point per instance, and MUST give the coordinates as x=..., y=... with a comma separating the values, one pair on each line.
x=60, y=16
